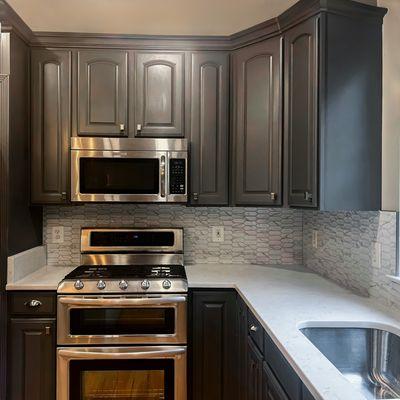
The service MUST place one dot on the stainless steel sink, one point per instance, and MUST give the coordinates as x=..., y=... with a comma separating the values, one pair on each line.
x=368, y=358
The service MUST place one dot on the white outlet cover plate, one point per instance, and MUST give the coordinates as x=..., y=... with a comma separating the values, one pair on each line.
x=218, y=234
x=57, y=234
x=376, y=254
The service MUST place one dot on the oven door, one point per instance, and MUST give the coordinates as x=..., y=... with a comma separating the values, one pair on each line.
x=121, y=320
x=122, y=176
x=121, y=373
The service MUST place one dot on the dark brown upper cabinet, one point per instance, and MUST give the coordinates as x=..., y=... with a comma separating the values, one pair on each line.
x=102, y=93
x=209, y=118
x=257, y=124
x=301, y=118
x=159, y=106
x=51, y=127
x=332, y=110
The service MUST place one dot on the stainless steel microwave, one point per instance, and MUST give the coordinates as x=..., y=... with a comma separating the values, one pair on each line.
x=129, y=170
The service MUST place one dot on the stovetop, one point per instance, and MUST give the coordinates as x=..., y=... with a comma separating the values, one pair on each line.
x=128, y=272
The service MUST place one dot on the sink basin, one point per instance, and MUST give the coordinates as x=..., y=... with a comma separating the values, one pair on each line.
x=368, y=358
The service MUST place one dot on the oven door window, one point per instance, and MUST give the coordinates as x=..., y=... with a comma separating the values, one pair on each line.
x=122, y=321
x=121, y=379
x=119, y=175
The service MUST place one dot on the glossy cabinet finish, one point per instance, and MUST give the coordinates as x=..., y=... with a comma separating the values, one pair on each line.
x=102, y=93
x=209, y=132
x=253, y=371
x=51, y=126
x=257, y=128
x=301, y=112
x=159, y=103
x=213, y=345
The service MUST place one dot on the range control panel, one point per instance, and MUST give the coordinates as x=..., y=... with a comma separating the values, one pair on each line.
x=177, y=176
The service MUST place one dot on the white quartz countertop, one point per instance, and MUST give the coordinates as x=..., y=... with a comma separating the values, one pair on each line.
x=283, y=300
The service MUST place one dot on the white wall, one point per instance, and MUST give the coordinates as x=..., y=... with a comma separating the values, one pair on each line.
x=391, y=106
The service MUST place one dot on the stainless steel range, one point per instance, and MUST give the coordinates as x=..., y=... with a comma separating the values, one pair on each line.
x=121, y=318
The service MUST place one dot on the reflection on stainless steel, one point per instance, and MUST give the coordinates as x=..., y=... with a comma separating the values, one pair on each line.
x=86, y=246
x=368, y=358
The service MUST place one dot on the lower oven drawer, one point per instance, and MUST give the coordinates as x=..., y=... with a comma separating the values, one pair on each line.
x=121, y=320
x=145, y=373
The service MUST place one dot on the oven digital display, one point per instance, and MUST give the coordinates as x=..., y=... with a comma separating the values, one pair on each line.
x=122, y=321
x=122, y=380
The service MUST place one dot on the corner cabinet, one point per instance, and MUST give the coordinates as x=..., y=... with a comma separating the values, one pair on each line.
x=301, y=117
x=51, y=126
x=257, y=130
x=209, y=132
x=159, y=97
x=102, y=93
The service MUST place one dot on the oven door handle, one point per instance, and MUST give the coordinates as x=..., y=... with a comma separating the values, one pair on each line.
x=121, y=353
x=102, y=301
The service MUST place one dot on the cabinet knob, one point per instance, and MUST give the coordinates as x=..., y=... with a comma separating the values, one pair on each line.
x=139, y=127
x=33, y=303
x=307, y=196
x=63, y=195
x=253, y=328
x=195, y=196
x=273, y=196
x=47, y=330
x=122, y=127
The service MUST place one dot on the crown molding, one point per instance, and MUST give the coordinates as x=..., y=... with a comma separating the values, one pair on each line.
x=12, y=22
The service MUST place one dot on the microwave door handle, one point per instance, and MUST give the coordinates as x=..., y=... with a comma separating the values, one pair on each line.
x=102, y=301
x=162, y=175
x=121, y=353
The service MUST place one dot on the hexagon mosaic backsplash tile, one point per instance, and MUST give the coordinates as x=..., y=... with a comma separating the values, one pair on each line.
x=252, y=235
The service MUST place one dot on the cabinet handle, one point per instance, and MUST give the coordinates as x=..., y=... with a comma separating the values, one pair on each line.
x=121, y=127
x=273, y=196
x=253, y=328
x=195, y=196
x=307, y=196
x=63, y=195
x=139, y=128
x=33, y=303
x=47, y=330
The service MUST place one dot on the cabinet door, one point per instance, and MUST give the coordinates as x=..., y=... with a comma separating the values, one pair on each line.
x=306, y=394
x=51, y=128
x=242, y=349
x=257, y=124
x=272, y=390
x=159, y=94
x=301, y=113
x=102, y=93
x=209, y=128
x=214, y=345
x=32, y=354
x=254, y=371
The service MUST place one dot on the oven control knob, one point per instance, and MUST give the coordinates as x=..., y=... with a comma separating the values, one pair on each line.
x=145, y=284
x=79, y=285
x=166, y=284
x=101, y=285
x=123, y=285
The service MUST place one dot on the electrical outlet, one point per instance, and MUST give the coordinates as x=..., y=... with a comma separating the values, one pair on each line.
x=57, y=234
x=376, y=254
x=218, y=234
x=315, y=239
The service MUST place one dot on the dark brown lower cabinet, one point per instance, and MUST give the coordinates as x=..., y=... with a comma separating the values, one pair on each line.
x=306, y=394
x=213, y=345
x=254, y=371
x=272, y=390
x=242, y=348
x=32, y=359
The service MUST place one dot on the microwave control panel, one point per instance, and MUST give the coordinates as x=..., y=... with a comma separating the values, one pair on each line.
x=177, y=176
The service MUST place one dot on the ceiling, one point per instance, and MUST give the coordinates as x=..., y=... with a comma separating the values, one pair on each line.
x=167, y=17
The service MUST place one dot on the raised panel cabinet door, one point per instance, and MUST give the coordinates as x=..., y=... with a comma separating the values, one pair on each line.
x=301, y=113
x=254, y=371
x=32, y=353
x=272, y=390
x=214, y=345
x=51, y=127
x=242, y=348
x=257, y=124
x=159, y=94
x=102, y=93
x=209, y=128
